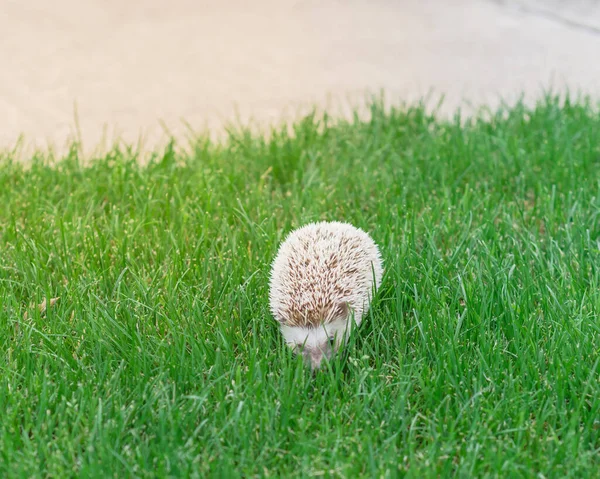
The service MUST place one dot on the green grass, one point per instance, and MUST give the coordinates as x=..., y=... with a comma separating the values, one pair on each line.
x=480, y=356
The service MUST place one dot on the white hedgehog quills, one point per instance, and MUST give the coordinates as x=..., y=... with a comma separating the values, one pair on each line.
x=322, y=282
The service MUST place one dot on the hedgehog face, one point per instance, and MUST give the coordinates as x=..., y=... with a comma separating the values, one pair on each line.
x=316, y=343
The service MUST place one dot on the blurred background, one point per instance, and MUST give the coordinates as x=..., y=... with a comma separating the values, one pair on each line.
x=139, y=70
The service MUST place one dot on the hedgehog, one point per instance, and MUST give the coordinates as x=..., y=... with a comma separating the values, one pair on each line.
x=322, y=281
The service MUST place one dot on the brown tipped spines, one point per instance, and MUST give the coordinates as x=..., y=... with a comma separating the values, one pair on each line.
x=324, y=272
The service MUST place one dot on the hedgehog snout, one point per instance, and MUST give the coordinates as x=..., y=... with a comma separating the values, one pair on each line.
x=314, y=356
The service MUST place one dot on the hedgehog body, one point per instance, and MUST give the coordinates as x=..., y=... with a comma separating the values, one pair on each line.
x=322, y=282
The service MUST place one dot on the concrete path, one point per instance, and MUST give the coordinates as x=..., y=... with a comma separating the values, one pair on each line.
x=126, y=68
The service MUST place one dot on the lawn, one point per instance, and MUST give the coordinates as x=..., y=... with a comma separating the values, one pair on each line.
x=479, y=358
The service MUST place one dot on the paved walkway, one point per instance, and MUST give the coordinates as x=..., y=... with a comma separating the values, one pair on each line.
x=127, y=68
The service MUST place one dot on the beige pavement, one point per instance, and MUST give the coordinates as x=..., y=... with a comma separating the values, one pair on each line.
x=128, y=67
